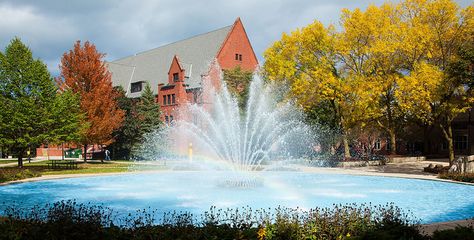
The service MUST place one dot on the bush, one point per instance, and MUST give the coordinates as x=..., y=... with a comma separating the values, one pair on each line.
x=461, y=177
x=70, y=220
x=12, y=174
x=459, y=233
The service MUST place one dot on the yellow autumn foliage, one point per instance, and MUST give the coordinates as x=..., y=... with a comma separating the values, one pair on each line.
x=380, y=65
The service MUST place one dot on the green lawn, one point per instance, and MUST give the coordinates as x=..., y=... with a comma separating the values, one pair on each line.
x=3, y=161
x=91, y=167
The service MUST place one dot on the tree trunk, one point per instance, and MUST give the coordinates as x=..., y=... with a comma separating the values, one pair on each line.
x=393, y=142
x=426, y=139
x=448, y=136
x=347, y=153
x=20, y=159
x=62, y=151
x=85, y=152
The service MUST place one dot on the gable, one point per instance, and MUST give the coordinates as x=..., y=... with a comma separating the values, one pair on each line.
x=237, y=49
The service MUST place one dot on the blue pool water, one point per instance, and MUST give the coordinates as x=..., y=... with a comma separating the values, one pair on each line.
x=429, y=201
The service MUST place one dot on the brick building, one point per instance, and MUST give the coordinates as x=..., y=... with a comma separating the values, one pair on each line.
x=179, y=72
x=425, y=140
x=182, y=72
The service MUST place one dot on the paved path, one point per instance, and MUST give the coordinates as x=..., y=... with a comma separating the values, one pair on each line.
x=415, y=168
x=429, y=229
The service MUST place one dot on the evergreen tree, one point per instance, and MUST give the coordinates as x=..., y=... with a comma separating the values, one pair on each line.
x=148, y=111
x=128, y=135
x=142, y=117
x=27, y=95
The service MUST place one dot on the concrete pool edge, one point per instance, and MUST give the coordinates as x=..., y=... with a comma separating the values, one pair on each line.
x=310, y=170
x=321, y=170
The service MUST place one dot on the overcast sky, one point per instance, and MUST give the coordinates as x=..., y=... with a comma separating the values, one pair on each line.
x=124, y=27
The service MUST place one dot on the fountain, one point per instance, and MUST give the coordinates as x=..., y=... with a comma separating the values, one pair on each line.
x=242, y=140
x=266, y=132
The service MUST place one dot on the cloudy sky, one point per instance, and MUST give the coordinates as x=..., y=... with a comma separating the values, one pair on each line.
x=124, y=27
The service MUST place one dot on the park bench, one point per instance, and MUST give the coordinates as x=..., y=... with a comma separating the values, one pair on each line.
x=62, y=164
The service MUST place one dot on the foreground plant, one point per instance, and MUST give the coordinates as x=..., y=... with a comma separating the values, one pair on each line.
x=72, y=220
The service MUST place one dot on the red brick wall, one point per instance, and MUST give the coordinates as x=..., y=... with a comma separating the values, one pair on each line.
x=175, y=87
x=237, y=42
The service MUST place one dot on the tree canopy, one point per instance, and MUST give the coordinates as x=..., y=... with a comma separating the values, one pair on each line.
x=142, y=116
x=381, y=66
x=32, y=111
x=84, y=72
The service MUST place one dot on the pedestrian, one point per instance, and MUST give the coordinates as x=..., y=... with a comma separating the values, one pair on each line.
x=28, y=152
x=107, y=155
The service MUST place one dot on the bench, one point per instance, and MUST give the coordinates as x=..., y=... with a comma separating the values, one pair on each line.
x=62, y=164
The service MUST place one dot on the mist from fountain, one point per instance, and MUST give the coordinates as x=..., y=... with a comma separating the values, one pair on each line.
x=267, y=129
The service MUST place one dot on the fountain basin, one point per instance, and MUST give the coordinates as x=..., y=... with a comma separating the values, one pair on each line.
x=196, y=191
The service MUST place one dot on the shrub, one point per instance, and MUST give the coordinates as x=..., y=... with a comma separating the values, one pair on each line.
x=71, y=220
x=12, y=174
x=461, y=177
x=459, y=233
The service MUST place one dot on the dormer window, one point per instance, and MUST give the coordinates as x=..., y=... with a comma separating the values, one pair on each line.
x=136, y=87
x=175, y=77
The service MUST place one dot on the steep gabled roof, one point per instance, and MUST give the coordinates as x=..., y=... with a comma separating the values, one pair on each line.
x=195, y=54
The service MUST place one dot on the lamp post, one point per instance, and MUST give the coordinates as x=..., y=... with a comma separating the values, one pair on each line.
x=190, y=152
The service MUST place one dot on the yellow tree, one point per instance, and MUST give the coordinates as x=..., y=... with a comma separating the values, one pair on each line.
x=432, y=92
x=369, y=48
x=307, y=61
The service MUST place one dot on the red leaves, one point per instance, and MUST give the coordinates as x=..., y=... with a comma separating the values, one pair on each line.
x=85, y=73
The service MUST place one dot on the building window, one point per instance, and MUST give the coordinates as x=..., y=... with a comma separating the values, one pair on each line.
x=164, y=99
x=460, y=142
x=240, y=57
x=236, y=56
x=169, y=99
x=136, y=87
x=377, y=145
x=175, y=77
x=173, y=99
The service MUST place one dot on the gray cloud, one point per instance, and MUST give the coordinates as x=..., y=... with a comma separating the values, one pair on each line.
x=124, y=27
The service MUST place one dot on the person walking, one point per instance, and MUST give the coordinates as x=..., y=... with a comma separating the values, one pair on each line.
x=107, y=155
x=28, y=154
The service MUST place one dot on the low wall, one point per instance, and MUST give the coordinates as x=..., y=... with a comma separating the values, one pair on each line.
x=405, y=159
x=358, y=164
x=468, y=164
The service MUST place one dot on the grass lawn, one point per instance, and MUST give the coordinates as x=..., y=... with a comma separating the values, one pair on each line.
x=4, y=161
x=91, y=167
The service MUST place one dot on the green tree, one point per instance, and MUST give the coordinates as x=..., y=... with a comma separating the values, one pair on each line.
x=68, y=119
x=27, y=98
x=142, y=117
x=148, y=111
x=128, y=134
x=238, y=83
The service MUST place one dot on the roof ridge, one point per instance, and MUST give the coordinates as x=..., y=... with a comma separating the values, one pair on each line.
x=182, y=40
